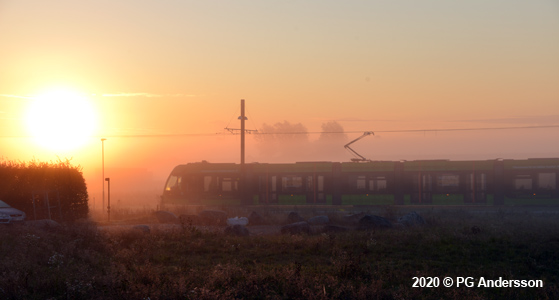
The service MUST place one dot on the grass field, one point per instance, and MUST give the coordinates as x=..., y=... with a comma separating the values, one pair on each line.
x=80, y=261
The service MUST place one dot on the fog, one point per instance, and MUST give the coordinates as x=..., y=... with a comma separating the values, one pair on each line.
x=138, y=167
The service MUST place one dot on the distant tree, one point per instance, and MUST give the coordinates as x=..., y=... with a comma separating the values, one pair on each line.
x=283, y=140
x=285, y=132
x=332, y=131
x=330, y=144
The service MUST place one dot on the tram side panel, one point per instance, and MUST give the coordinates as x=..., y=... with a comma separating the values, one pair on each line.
x=531, y=182
x=293, y=184
x=443, y=182
x=368, y=183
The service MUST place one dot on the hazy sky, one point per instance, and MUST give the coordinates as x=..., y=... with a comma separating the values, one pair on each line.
x=168, y=67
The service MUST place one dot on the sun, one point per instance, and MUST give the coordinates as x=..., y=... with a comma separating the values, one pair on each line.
x=61, y=120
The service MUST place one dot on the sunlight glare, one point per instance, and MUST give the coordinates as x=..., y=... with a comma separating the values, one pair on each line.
x=61, y=120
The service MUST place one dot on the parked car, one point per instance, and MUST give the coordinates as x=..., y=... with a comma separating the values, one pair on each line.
x=9, y=214
x=5, y=219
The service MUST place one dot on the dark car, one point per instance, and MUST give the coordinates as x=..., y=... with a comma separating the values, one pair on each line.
x=9, y=214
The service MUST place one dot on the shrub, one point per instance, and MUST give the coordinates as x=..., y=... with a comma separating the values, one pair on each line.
x=31, y=186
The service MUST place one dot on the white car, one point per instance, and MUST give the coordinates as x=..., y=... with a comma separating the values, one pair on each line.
x=9, y=214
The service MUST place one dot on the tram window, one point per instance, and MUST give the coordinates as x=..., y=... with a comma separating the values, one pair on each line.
x=448, y=180
x=320, y=183
x=274, y=184
x=482, y=181
x=377, y=184
x=172, y=183
x=547, y=181
x=292, y=183
x=207, y=183
x=228, y=185
x=310, y=186
x=421, y=182
x=426, y=182
x=523, y=183
x=381, y=184
x=361, y=183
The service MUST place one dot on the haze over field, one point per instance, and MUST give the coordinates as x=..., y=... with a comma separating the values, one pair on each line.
x=161, y=80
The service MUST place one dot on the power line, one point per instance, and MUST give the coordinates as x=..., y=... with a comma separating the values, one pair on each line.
x=419, y=130
x=473, y=129
x=171, y=135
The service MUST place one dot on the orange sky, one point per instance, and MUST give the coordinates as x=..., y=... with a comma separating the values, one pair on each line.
x=181, y=67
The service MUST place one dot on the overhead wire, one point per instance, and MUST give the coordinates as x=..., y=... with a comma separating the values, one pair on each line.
x=231, y=120
x=419, y=130
x=162, y=135
x=251, y=119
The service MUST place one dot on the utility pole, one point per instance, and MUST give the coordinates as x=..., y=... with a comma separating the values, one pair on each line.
x=243, y=179
x=243, y=118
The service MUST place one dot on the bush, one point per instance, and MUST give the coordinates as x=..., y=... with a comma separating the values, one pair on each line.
x=47, y=183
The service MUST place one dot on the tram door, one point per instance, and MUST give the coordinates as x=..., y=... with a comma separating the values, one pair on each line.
x=476, y=184
x=320, y=197
x=422, y=189
x=268, y=189
x=273, y=190
x=315, y=189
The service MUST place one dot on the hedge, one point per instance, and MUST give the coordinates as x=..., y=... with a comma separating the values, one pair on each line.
x=59, y=182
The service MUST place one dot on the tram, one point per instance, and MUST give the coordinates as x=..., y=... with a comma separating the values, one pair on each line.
x=419, y=182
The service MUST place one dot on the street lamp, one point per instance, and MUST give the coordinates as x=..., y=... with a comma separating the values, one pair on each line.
x=108, y=180
x=103, y=171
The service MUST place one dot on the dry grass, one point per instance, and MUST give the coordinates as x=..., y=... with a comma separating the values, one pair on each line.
x=82, y=262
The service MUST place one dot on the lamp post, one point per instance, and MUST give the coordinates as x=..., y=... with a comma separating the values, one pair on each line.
x=103, y=171
x=108, y=180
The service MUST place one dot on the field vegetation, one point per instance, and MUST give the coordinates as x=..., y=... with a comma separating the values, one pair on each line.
x=86, y=261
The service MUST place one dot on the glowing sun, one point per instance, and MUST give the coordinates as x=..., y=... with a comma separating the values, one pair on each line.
x=61, y=120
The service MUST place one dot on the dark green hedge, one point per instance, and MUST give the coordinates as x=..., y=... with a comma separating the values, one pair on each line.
x=61, y=182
